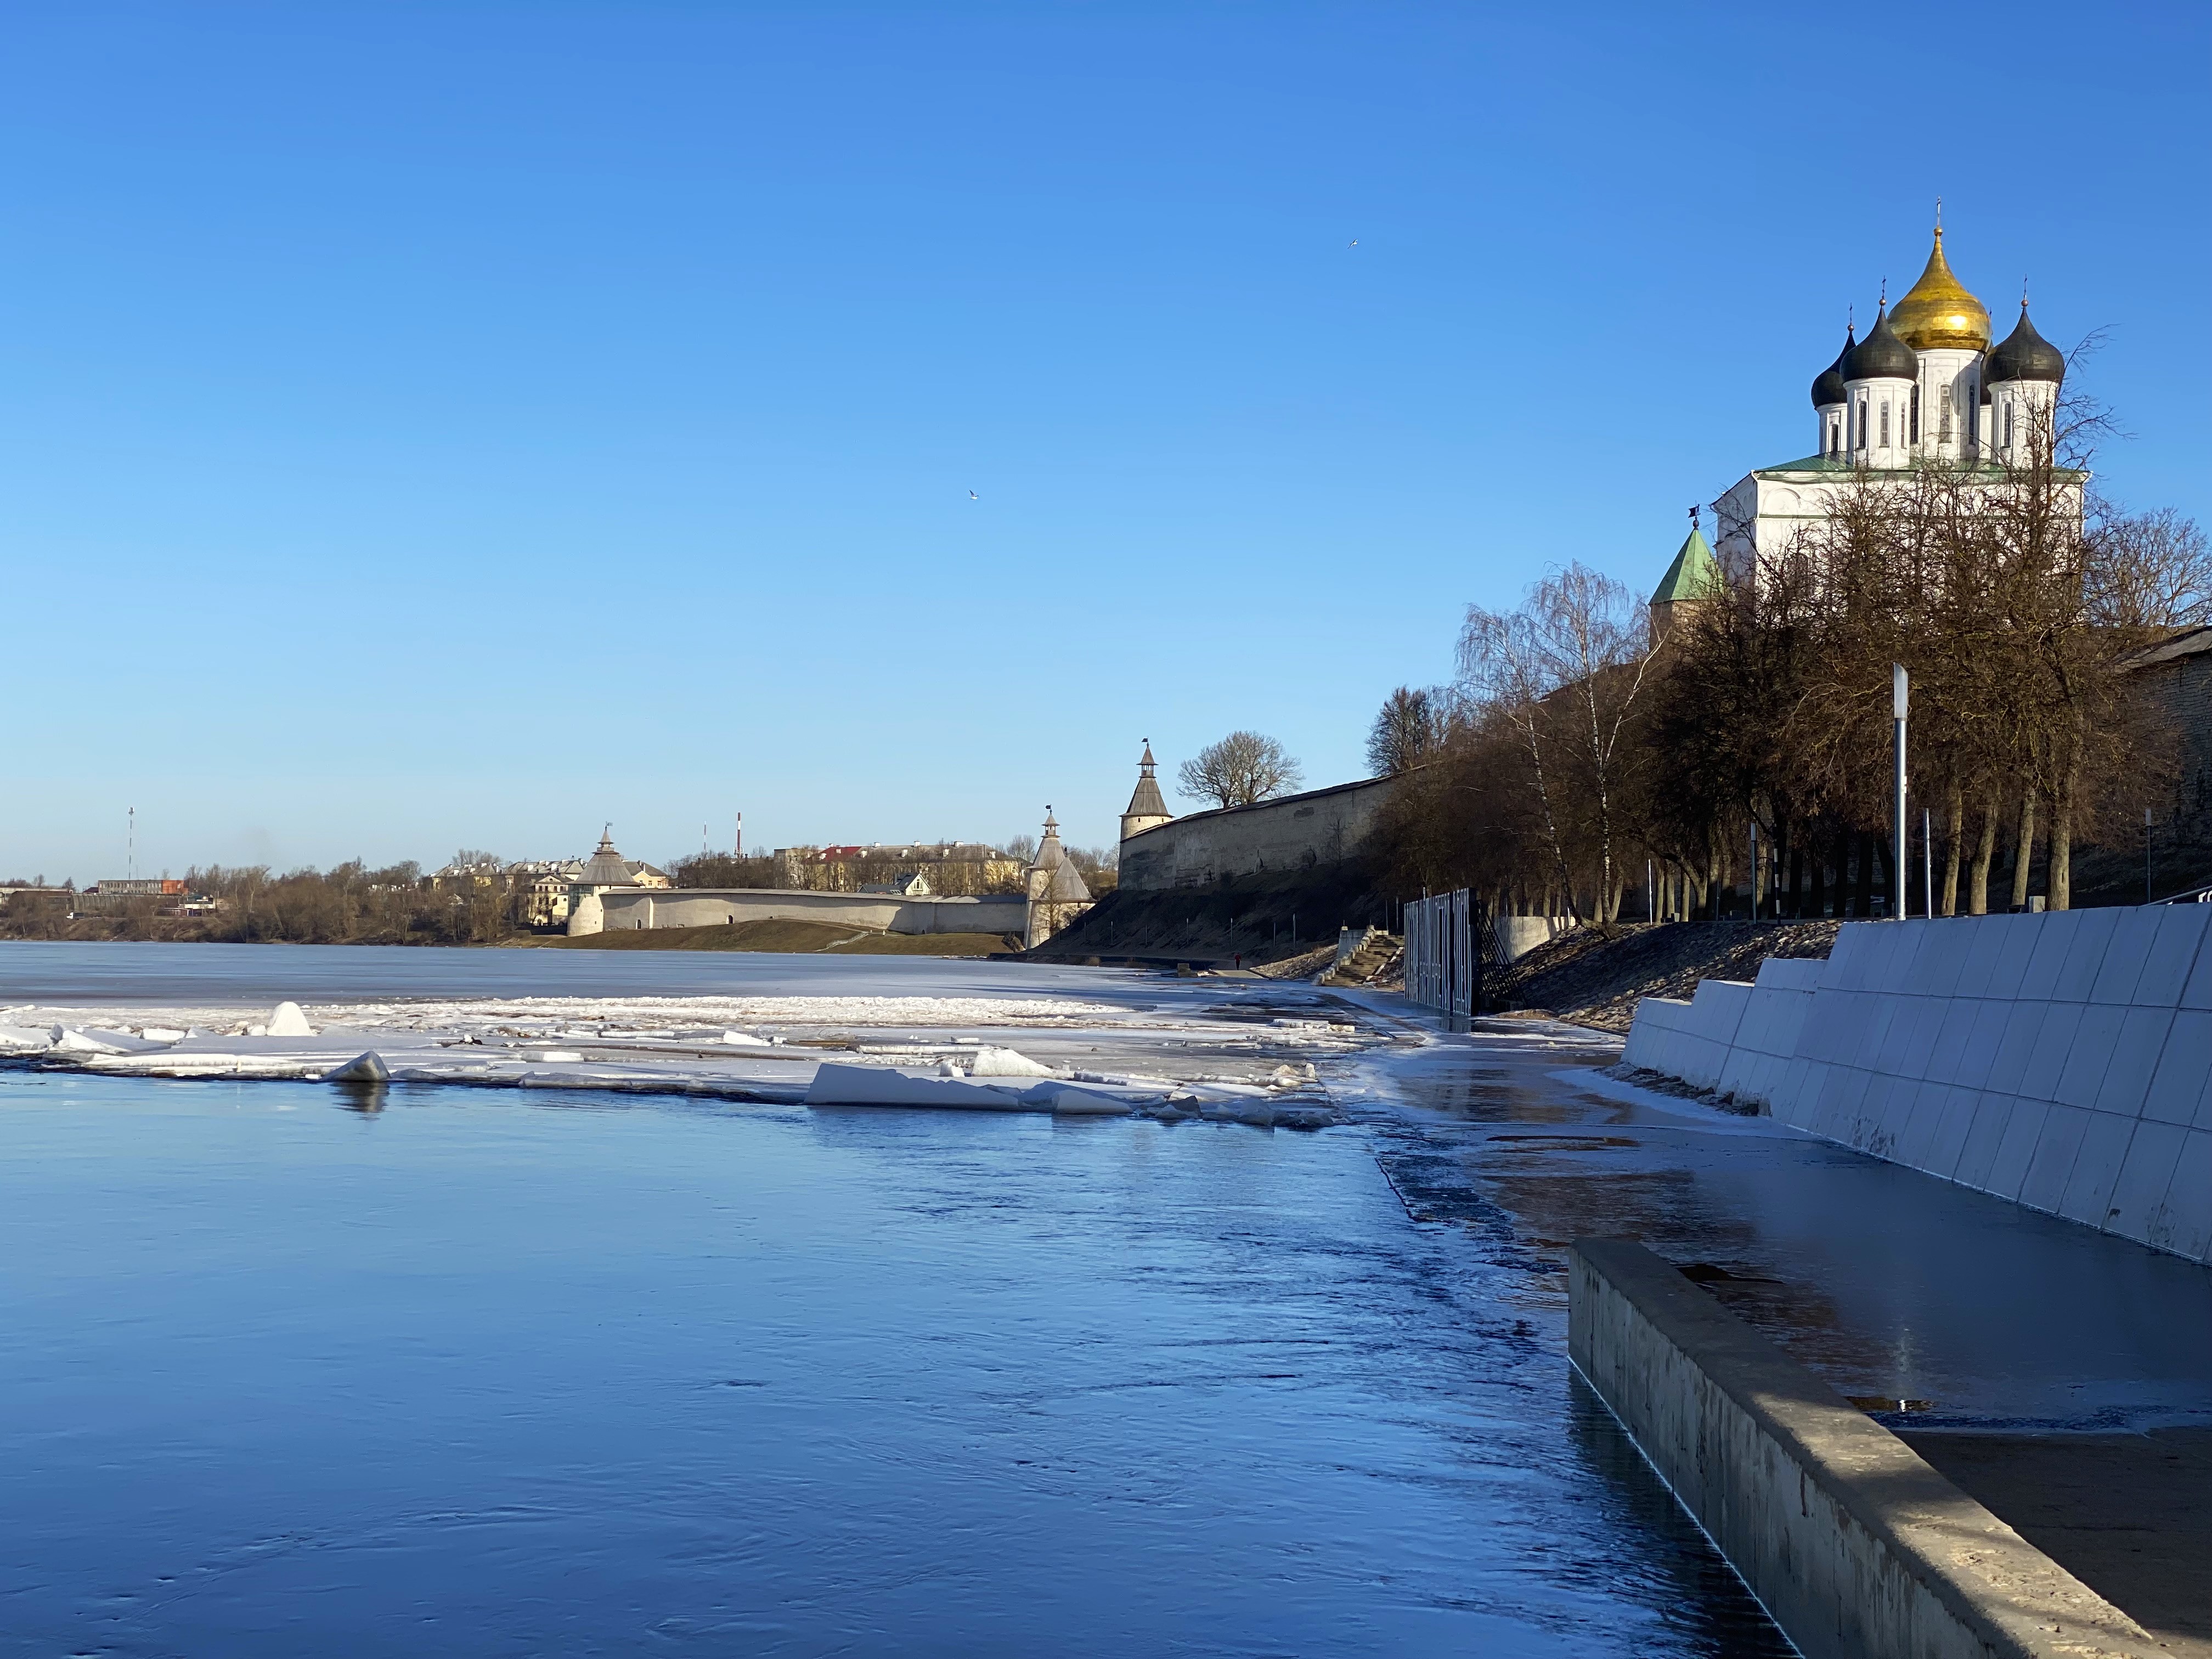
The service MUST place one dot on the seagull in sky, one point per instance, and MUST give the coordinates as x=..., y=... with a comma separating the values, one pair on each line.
x=973, y=496
x=1354, y=242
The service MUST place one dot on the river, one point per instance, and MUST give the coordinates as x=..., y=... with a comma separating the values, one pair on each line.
x=506, y=1373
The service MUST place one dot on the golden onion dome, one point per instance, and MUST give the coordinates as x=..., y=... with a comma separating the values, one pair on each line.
x=1939, y=314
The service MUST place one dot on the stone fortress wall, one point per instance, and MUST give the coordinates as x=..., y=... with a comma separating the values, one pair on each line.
x=2063, y=1061
x=622, y=908
x=1296, y=832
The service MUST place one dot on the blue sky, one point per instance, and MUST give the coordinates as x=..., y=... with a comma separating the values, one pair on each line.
x=426, y=424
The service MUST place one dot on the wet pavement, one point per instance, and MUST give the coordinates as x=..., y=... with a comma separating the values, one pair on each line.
x=2029, y=1358
x=511, y=1373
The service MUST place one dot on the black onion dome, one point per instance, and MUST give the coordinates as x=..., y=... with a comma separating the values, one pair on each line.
x=2024, y=356
x=1882, y=356
x=1828, y=385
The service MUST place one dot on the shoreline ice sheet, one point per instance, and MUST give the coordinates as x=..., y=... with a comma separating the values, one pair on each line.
x=1220, y=1047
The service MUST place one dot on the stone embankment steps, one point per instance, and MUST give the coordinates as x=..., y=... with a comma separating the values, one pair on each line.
x=2063, y=1061
x=1367, y=958
x=1853, y=1543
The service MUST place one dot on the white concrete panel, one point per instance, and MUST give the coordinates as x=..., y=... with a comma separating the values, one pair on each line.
x=1917, y=1134
x=1865, y=1128
x=1900, y=1103
x=2197, y=992
x=1844, y=958
x=2050, y=936
x=2172, y=953
x=2133, y=934
x=2091, y=938
x=2047, y=1063
x=1874, y=1036
x=2088, y=1195
x=1982, y=1044
x=1799, y=1087
x=1943, y=956
x=1923, y=958
x=2140, y=1193
x=2023, y=1026
x=2015, y=938
x=2089, y=1056
x=2044, y=1184
x=1951, y=1039
x=2135, y=1057
x=2177, y=1082
x=2016, y=1147
x=1912, y=1035
x=1791, y=973
x=1951, y=1129
x=2184, y=1223
x=1992, y=1112
x=1982, y=939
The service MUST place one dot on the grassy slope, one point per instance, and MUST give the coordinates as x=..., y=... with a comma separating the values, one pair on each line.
x=787, y=935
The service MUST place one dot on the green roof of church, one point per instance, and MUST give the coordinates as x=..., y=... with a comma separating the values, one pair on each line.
x=1693, y=575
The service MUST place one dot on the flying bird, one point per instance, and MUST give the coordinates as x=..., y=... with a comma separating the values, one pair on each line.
x=1353, y=243
x=973, y=496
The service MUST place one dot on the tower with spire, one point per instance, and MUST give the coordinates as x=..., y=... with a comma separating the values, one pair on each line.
x=1057, y=892
x=1146, y=809
x=1923, y=386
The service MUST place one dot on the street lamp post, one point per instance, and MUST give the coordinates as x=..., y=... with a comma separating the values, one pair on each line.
x=1899, y=698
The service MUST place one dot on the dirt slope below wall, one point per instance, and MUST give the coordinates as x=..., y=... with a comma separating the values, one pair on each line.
x=1594, y=980
x=1260, y=918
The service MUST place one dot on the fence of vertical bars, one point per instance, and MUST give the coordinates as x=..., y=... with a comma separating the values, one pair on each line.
x=1446, y=941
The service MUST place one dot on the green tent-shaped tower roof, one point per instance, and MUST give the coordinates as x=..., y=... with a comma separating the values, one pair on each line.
x=1695, y=574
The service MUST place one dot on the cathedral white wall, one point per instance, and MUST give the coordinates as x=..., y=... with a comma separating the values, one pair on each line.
x=1952, y=378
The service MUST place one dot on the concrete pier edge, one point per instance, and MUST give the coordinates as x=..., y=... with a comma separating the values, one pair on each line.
x=1857, y=1548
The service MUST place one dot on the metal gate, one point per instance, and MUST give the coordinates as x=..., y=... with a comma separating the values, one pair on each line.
x=1444, y=955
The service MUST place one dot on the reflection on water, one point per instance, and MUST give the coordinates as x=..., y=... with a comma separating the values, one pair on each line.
x=487, y=1373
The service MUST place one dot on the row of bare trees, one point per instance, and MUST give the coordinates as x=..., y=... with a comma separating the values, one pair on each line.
x=1575, y=749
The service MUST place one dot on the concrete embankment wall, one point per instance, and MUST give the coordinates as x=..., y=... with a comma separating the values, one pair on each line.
x=1853, y=1543
x=2063, y=1061
x=1298, y=832
x=704, y=906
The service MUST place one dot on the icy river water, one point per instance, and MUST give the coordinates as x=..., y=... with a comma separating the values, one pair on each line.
x=518, y=1373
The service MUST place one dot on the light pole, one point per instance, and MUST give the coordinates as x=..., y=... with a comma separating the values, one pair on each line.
x=1899, y=697
x=2147, y=889
x=1928, y=862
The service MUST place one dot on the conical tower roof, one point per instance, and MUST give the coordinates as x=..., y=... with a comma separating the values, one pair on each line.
x=1050, y=854
x=607, y=867
x=1146, y=801
x=1695, y=574
x=1937, y=314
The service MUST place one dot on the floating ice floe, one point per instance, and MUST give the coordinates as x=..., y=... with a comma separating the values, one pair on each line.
x=745, y=1040
x=999, y=1062
x=362, y=1068
x=288, y=1021
x=836, y=1084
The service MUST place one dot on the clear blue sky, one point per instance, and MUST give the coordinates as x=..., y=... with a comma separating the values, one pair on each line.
x=428, y=425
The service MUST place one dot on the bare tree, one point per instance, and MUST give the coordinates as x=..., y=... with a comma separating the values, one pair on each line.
x=1244, y=767
x=1407, y=731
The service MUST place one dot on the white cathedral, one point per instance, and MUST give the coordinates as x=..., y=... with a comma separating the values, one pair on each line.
x=1925, y=385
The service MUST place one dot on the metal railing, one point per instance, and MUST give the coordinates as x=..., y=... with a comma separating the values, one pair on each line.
x=1444, y=955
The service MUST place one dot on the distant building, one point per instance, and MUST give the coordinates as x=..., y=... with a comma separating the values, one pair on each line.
x=1145, y=808
x=1057, y=892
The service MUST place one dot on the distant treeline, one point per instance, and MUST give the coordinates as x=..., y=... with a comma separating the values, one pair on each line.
x=351, y=904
